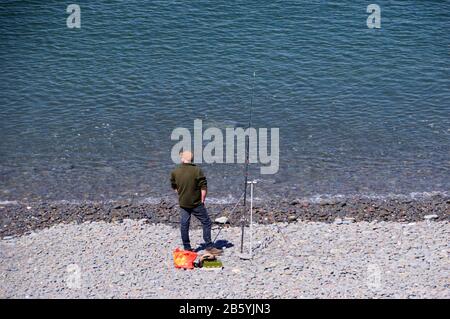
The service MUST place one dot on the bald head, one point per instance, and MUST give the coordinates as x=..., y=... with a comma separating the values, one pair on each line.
x=186, y=157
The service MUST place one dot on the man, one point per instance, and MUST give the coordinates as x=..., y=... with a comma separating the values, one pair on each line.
x=190, y=183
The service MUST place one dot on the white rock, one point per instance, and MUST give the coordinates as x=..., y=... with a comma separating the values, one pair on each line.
x=428, y=217
x=349, y=220
x=221, y=220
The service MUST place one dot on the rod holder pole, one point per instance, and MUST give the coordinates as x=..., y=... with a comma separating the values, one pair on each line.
x=252, y=183
x=251, y=218
x=242, y=237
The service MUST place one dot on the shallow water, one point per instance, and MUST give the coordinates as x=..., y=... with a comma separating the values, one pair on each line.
x=88, y=113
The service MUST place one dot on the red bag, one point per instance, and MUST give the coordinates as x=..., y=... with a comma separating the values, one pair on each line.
x=184, y=258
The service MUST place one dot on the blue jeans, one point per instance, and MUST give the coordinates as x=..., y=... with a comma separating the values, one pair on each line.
x=202, y=215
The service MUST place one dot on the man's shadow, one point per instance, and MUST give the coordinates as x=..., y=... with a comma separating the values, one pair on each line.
x=219, y=244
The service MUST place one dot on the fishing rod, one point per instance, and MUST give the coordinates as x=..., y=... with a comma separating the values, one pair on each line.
x=247, y=141
x=247, y=151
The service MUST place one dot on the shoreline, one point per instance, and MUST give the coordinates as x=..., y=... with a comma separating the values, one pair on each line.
x=17, y=219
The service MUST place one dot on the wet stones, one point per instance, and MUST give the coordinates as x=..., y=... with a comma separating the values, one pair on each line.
x=17, y=219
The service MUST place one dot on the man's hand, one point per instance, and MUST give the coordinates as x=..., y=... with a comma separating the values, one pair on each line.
x=204, y=192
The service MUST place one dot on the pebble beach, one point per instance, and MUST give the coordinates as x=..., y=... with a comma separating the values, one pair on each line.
x=301, y=259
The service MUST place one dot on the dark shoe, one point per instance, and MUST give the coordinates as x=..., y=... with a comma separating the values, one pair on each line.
x=214, y=251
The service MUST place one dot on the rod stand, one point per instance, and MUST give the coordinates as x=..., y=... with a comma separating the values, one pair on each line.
x=249, y=255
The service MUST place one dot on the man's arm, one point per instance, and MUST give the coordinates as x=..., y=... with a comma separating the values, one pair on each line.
x=204, y=193
x=173, y=182
x=202, y=184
